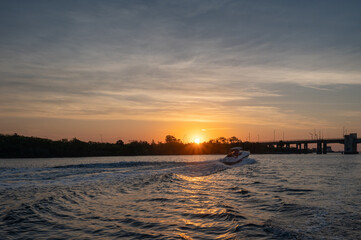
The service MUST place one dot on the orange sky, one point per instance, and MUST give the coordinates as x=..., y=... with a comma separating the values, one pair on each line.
x=127, y=130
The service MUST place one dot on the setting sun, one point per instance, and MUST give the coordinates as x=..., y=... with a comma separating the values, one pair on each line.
x=197, y=140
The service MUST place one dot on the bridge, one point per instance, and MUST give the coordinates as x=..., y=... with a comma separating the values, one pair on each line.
x=349, y=141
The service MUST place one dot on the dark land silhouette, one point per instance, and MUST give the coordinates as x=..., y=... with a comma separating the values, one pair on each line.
x=17, y=146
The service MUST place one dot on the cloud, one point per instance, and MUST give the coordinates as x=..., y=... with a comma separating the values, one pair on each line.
x=187, y=61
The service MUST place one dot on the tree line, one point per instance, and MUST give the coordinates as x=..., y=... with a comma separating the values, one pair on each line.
x=17, y=146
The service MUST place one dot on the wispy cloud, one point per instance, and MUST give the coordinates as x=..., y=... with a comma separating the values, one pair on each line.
x=207, y=61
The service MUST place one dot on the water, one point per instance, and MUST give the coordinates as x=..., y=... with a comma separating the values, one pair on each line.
x=181, y=197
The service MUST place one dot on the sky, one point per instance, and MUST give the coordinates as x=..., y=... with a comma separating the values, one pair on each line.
x=140, y=70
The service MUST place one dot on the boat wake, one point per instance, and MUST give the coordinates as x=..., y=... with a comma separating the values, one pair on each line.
x=90, y=172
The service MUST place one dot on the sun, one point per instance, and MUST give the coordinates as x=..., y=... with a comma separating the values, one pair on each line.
x=197, y=140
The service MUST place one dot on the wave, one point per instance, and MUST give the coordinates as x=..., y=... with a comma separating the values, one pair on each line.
x=142, y=172
x=116, y=165
x=127, y=164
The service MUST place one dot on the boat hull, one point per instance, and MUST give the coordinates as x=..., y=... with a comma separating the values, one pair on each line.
x=235, y=160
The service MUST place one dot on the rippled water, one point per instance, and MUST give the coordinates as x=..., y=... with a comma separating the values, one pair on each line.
x=181, y=197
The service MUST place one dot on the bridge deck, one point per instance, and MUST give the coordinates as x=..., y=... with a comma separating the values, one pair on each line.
x=333, y=140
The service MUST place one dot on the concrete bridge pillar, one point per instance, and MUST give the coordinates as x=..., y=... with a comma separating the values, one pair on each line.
x=350, y=142
x=324, y=149
x=319, y=147
x=305, y=146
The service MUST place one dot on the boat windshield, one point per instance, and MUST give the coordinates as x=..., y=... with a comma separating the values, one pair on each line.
x=233, y=153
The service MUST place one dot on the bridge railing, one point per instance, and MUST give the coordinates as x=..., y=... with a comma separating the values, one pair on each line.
x=297, y=141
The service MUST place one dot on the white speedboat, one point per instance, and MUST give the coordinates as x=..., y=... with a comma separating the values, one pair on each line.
x=235, y=155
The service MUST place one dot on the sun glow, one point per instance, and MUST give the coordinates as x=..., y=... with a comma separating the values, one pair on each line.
x=197, y=140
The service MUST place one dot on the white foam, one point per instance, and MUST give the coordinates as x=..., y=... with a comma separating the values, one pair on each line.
x=243, y=162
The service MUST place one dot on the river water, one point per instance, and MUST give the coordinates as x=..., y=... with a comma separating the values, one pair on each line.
x=181, y=197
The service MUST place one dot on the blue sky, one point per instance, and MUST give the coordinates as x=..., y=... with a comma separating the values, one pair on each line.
x=245, y=66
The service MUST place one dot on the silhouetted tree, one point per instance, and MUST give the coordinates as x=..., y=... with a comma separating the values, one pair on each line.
x=12, y=146
x=233, y=140
x=171, y=139
x=222, y=140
